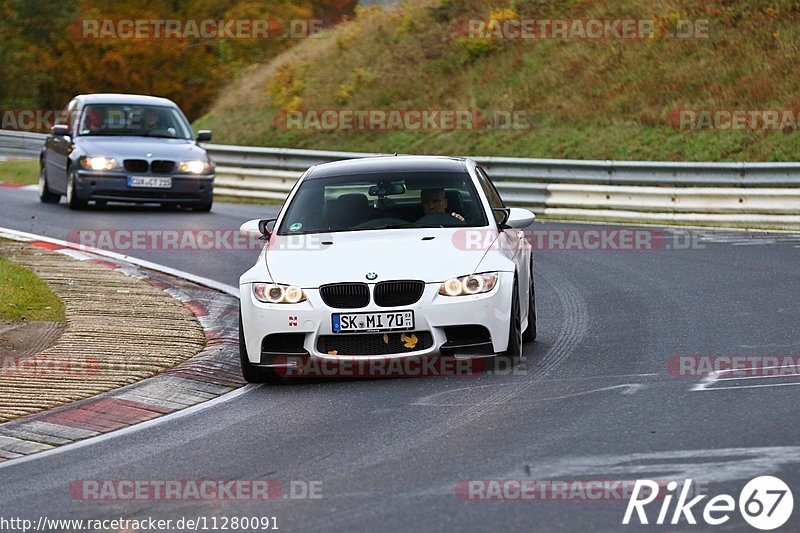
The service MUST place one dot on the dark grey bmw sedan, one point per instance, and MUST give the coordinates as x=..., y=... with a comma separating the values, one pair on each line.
x=126, y=148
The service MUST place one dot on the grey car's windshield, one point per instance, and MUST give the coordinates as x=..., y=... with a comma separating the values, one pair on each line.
x=136, y=120
x=392, y=200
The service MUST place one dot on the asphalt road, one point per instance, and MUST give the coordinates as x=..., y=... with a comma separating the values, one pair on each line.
x=594, y=399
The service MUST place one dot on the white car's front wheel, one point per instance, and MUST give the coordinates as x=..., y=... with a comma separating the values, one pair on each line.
x=514, y=349
x=529, y=335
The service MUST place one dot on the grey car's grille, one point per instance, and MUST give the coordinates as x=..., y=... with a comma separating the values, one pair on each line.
x=162, y=167
x=345, y=295
x=159, y=166
x=136, y=165
x=397, y=293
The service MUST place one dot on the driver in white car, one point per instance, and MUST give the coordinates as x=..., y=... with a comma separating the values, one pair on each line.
x=434, y=201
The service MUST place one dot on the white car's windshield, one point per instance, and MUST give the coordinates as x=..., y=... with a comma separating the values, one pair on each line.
x=390, y=200
x=138, y=120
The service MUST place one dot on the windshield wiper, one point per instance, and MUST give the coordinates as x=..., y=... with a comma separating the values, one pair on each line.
x=148, y=134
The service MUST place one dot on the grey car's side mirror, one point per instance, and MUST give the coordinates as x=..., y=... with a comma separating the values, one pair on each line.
x=60, y=130
x=203, y=136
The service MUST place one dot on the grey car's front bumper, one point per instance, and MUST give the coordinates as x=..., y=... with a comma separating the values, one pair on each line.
x=188, y=190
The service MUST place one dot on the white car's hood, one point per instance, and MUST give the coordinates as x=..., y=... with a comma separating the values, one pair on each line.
x=431, y=255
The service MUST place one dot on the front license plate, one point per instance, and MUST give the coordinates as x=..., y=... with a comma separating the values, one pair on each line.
x=149, y=182
x=360, y=322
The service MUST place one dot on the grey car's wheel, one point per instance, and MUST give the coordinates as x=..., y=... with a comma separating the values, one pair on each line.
x=250, y=372
x=529, y=335
x=45, y=196
x=202, y=208
x=73, y=202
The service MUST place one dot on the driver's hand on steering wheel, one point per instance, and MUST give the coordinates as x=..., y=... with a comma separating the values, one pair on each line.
x=457, y=216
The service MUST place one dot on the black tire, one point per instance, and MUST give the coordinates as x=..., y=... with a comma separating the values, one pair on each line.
x=250, y=372
x=45, y=195
x=73, y=202
x=529, y=335
x=514, y=349
x=202, y=208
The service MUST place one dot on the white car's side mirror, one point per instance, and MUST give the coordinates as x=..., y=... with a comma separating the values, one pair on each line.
x=260, y=227
x=519, y=218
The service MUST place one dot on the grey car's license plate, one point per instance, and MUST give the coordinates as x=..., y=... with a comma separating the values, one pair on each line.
x=151, y=182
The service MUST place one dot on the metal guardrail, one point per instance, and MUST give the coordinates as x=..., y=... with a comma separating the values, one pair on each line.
x=667, y=173
x=732, y=194
x=676, y=174
x=20, y=143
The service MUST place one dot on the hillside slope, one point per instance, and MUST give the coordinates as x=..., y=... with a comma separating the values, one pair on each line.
x=586, y=99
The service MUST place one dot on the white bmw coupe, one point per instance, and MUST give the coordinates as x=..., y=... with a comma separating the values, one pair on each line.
x=386, y=258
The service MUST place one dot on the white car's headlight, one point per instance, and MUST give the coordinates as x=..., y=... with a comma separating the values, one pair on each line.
x=273, y=293
x=194, y=167
x=99, y=163
x=469, y=285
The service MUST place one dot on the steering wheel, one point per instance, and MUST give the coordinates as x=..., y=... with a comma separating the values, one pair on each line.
x=443, y=219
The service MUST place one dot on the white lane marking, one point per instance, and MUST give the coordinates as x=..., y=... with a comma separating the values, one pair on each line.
x=710, y=465
x=629, y=388
x=604, y=376
x=707, y=381
x=714, y=377
x=735, y=387
x=716, y=464
x=730, y=370
x=210, y=283
x=131, y=429
x=29, y=188
x=227, y=289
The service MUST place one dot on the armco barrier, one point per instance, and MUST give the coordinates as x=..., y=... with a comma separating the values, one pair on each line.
x=756, y=195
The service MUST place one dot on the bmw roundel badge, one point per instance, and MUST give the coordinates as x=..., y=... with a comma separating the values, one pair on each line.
x=371, y=276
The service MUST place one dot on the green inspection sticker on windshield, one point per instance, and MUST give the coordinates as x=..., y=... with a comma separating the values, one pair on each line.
x=296, y=226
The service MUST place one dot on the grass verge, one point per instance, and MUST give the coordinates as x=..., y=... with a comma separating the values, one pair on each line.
x=23, y=296
x=23, y=171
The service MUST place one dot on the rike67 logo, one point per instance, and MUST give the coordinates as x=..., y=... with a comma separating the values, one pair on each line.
x=765, y=503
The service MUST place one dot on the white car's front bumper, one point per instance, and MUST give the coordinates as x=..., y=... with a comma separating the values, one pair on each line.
x=432, y=313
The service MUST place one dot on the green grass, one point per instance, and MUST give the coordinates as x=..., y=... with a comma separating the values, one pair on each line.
x=24, y=296
x=586, y=99
x=240, y=200
x=24, y=171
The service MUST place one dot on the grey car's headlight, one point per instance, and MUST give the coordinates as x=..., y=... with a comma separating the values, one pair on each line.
x=469, y=285
x=99, y=163
x=197, y=166
x=273, y=293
